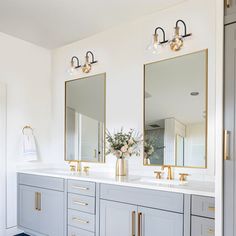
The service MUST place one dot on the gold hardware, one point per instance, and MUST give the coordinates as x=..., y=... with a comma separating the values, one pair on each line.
x=36, y=201
x=170, y=176
x=39, y=202
x=27, y=127
x=80, y=203
x=133, y=223
x=183, y=177
x=80, y=187
x=86, y=169
x=158, y=174
x=80, y=220
x=95, y=153
x=140, y=224
x=228, y=3
x=211, y=231
x=211, y=208
x=226, y=151
x=75, y=166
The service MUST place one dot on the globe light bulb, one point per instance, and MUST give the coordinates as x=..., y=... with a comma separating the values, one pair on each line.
x=87, y=66
x=155, y=46
x=74, y=64
x=177, y=42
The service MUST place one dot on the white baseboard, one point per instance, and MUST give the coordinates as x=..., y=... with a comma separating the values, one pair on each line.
x=13, y=231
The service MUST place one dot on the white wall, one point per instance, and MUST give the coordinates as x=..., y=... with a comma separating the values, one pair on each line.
x=121, y=53
x=26, y=70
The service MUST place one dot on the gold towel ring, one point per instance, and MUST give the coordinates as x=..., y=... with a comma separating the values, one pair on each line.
x=27, y=127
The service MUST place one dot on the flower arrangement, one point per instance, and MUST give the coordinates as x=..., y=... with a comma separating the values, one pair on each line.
x=148, y=150
x=122, y=144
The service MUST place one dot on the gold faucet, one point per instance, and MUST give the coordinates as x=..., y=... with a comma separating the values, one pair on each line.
x=170, y=176
x=75, y=166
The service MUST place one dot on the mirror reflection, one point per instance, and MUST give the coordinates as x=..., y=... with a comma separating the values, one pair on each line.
x=85, y=119
x=175, y=119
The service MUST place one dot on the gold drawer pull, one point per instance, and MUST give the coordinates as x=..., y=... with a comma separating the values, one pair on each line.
x=36, y=201
x=226, y=145
x=80, y=187
x=140, y=224
x=80, y=203
x=211, y=231
x=80, y=221
x=211, y=208
x=133, y=223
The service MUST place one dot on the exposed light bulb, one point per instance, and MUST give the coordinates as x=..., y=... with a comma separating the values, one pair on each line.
x=177, y=42
x=74, y=64
x=87, y=66
x=155, y=46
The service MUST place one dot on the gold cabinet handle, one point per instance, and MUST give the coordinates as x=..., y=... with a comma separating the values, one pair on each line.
x=39, y=202
x=80, y=187
x=211, y=208
x=211, y=231
x=36, y=201
x=226, y=144
x=80, y=203
x=140, y=224
x=228, y=3
x=133, y=223
x=80, y=220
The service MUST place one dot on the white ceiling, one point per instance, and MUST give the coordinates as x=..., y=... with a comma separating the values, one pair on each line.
x=54, y=23
x=169, y=84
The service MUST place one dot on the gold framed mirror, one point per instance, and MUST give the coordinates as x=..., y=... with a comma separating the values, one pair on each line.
x=175, y=111
x=85, y=119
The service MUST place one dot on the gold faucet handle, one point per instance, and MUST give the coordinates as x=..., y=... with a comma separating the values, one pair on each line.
x=183, y=176
x=72, y=166
x=158, y=174
x=86, y=169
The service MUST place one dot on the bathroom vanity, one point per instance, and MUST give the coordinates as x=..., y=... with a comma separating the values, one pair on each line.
x=60, y=203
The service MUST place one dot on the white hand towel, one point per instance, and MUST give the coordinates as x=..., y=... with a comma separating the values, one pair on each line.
x=29, y=148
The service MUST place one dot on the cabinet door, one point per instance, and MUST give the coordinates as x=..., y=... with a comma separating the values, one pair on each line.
x=28, y=215
x=41, y=210
x=230, y=11
x=229, y=120
x=157, y=222
x=117, y=219
x=202, y=226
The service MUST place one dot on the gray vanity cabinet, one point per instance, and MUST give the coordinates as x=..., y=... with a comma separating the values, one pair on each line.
x=117, y=219
x=161, y=223
x=40, y=210
x=134, y=211
x=229, y=126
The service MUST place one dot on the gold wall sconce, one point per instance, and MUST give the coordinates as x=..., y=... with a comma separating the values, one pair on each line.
x=178, y=40
x=156, y=45
x=86, y=68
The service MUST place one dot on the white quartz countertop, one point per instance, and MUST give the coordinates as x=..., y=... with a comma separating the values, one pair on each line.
x=192, y=187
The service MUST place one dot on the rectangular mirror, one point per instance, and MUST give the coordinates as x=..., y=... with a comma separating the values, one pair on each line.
x=175, y=111
x=85, y=119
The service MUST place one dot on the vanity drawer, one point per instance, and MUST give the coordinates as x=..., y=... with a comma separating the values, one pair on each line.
x=81, y=203
x=72, y=231
x=202, y=226
x=81, y=187
x=203, y=206
x=143, y=197
x=41, y=181
x=81, y=220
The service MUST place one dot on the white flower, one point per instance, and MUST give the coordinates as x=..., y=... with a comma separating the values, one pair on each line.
x=126, y=154
x=130, y=150
x=131, y=141
x=118, y=154
x=124, y=148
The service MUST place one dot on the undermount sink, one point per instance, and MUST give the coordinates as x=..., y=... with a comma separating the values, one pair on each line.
x=163, y=181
